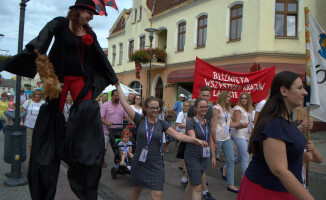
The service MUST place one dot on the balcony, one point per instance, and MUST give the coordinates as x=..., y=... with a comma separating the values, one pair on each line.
x=143, y=57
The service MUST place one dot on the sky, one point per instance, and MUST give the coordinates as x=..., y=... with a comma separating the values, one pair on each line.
x=38, y=13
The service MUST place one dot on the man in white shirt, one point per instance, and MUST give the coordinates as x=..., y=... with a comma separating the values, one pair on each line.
x=23, y=96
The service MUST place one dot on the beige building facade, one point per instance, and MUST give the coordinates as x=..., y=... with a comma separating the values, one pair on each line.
x=239, y=36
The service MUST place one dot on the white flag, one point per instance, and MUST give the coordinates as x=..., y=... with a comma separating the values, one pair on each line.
x=317, y=80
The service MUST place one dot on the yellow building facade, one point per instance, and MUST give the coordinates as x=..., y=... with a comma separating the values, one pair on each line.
x=239, y=36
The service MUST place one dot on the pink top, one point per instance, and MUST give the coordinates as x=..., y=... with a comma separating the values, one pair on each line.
x=223, y=124
x=245, y=117
x=111, y=113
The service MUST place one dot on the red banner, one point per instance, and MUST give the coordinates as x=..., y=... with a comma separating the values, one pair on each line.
x=256, y=83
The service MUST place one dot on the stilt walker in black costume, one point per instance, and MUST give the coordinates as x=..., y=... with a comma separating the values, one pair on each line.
x=81, y=65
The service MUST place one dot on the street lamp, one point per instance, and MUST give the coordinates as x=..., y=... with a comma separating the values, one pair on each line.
x=151, y=32
x=15, y=177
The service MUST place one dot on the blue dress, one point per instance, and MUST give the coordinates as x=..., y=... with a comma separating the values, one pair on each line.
x=149, y=174
x=195, y=162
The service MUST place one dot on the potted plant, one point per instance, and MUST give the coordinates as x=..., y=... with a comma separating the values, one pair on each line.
x=159, y=54
x=140, y=56
x=143, y=56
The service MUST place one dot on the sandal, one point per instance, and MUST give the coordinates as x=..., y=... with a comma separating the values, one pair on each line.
x=232, y=190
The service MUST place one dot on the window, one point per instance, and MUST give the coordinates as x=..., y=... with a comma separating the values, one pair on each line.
x=113, y=55
x=131, y=49
x=140, y=11
x=120, y=53
x=135, y=85
x=181, y=36
x=142, y=43
x=202, y=31
x=286, y=16
x=135, y=19
x=235, y=22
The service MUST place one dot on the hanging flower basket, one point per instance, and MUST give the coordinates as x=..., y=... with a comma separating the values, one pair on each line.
x=140, y=56
x=143, y=56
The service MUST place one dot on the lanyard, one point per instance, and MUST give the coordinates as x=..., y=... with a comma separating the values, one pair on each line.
x=148, y=136
x=249, y=119
x=204, y=133
x=226, y=116
x=184, y=117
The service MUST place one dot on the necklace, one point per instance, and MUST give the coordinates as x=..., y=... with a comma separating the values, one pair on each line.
x=81, y=58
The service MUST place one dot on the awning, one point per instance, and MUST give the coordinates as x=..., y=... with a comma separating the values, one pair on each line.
x=183, y=75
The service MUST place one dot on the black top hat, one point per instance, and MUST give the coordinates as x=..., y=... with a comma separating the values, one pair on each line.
x=86, y=4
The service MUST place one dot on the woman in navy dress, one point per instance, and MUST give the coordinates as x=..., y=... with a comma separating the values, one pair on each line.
x=277, y=146
x=196, y=157
x=147, y=170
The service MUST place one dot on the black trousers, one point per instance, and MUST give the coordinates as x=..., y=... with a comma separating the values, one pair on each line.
x=84, y=180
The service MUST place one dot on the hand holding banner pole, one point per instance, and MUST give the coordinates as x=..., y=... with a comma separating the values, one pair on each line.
x=307, y=82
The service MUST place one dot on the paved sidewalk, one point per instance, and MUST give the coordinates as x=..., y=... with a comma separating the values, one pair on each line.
x=22, y=192
x=119, y=189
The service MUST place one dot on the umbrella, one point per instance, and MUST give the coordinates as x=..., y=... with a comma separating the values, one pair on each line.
x=100, y=6
x=125, y=89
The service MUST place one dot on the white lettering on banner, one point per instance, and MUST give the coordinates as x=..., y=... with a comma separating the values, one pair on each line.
x=227, y=78
x=233, y=83
x=233, y=94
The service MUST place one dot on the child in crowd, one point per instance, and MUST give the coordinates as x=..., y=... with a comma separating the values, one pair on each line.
x=11, y=105
x=125, y=147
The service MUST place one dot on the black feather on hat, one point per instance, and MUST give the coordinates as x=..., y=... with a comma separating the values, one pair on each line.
x=86, y=4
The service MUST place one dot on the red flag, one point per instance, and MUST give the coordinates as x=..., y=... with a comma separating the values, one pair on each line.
x=100, y=6
x=256, y=83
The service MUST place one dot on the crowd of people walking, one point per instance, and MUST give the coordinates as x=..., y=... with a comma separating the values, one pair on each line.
x=264, y=140
x=75, y=127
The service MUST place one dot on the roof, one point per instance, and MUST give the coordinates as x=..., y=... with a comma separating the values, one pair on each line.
x=163, y=5
x=120, y=25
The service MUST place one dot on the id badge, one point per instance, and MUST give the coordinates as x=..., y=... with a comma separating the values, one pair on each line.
x=143, y=155
x=226, y=129
x=206, y=152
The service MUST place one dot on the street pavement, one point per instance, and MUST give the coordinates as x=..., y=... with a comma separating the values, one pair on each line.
x=119, y=188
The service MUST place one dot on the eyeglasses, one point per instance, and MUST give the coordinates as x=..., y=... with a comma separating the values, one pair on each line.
x=203, y=107
x=154, y=108
x=243, y=98
x=137, y=98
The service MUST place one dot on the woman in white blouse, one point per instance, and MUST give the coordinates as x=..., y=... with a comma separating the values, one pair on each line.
x=136, y=104
x=242, y=114
x=221, y=124
x=32, y=106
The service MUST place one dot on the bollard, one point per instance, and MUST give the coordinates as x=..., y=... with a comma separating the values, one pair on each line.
x=15, y=151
